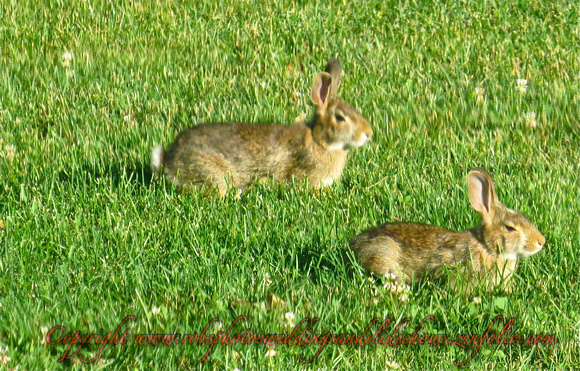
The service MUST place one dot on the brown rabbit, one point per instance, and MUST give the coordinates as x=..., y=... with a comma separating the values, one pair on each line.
x=411, y=250
x=243, y=153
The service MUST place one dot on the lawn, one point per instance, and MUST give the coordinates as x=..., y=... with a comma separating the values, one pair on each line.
x=87, y=238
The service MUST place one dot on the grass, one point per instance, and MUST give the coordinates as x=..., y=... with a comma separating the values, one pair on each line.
x=87, y=239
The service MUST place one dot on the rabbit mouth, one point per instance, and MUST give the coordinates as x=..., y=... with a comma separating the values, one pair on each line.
x=350, y=144
x=363, y=139
x=347, y=146
x=531, y=250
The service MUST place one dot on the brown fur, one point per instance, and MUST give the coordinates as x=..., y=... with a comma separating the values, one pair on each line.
x=490, y=250
x=241, y=153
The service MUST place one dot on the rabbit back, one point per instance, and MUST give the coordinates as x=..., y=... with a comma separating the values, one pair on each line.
x=242, y=153
x=216, y=153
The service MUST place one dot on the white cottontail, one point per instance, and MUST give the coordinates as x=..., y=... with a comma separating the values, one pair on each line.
x=489, y=251
x=242, y=153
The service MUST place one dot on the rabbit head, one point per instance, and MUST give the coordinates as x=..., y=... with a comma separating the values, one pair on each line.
x=336, y=124
x=504, y=230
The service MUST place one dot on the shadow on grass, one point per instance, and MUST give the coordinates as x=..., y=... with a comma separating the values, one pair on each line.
x=323, y=266
x=115, y=174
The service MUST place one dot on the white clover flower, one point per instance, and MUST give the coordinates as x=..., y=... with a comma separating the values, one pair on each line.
x=10, y=151
x=267, y=279
x=155, y=310
x=477, y=300
x=66, y=59
x=397, y=288
x=531, y=120
x=479, y=92
x=271, y=352
x=522, y=85
x=290, y=319
x=44, y=331
x=391, y=365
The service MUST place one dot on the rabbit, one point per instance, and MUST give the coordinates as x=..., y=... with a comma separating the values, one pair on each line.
x=241, y=153
x=410, y=251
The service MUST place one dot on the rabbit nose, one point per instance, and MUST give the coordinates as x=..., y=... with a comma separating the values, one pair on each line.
x=367, y=134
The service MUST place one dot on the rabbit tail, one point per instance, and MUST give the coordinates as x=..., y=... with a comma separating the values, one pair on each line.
x=157, y=159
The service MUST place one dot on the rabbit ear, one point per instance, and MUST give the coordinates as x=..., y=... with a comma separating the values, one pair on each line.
x=321, y=89
x=482, y=194
x=334, y=68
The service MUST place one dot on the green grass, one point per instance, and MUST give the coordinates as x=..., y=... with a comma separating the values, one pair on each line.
x=88, y=239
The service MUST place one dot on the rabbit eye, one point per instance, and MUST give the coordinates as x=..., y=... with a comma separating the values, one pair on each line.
x=509, y=228
x=339, y=118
